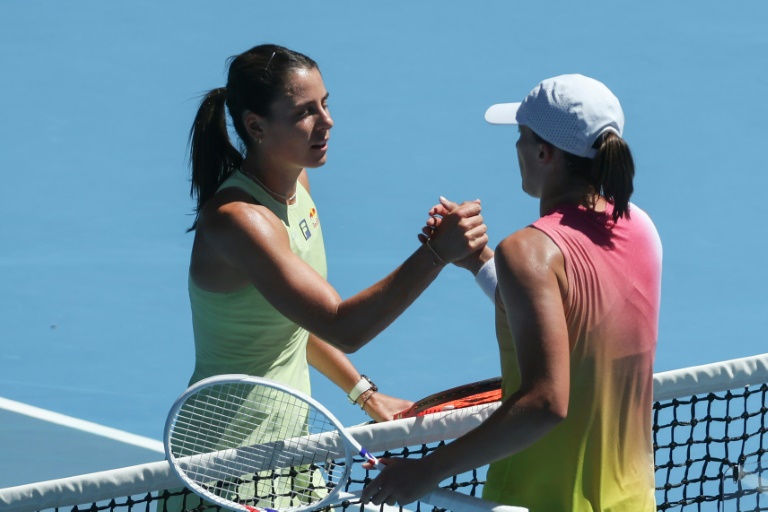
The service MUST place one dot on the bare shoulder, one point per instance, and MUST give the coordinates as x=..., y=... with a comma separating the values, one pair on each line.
x=233, y=212
x=529, y=255
x=234, y=234
x=529, y=246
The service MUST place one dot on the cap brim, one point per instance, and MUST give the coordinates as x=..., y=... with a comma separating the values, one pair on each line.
x=502, y=113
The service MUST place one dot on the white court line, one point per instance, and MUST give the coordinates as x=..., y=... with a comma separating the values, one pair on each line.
x=82, y=425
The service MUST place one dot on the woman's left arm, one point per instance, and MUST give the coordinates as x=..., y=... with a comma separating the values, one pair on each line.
x=337, y=367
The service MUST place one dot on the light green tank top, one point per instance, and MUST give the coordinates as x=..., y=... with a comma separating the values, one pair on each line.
x=240, y=332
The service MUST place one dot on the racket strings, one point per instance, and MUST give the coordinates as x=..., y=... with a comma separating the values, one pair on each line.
x=258, y=446
x=467, y=395
x=274, y=496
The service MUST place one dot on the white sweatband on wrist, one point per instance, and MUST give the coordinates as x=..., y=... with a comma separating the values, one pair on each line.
x=486, y=279
x=363, y=385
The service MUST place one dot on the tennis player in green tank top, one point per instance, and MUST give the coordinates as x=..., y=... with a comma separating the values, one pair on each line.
x=261, y=304
x=260, y=300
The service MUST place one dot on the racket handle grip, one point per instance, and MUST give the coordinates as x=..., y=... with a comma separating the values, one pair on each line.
x=372, y=459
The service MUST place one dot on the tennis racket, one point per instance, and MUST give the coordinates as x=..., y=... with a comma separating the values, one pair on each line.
x=475, y=393
x=251, y=444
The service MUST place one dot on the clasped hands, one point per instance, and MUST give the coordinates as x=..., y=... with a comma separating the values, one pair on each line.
x=455, y=231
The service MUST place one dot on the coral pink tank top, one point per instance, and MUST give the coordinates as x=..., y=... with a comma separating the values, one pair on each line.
x=600, y=458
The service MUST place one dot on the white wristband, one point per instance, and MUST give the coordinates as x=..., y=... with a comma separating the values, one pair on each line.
x=486, y=279
x=363, y=385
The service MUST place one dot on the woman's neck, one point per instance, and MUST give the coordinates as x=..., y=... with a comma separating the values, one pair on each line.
x=574, y=195
x=281, y=185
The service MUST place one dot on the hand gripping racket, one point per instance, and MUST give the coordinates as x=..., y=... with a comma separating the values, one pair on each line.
x=251, y=444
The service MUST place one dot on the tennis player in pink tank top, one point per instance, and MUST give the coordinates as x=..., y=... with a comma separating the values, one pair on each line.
x=577, y=308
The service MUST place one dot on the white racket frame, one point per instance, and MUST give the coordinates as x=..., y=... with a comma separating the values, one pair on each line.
x=179, y=464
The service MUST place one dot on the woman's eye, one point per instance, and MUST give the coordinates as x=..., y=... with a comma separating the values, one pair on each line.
x=310, y=111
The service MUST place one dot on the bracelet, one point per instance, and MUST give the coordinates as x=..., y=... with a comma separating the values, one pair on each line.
x=441, y=260
x=363, y=385
x=486, y=279
x=365, y=400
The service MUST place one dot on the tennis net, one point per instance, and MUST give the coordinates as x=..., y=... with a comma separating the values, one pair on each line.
x=709, y=442
x=709, y=429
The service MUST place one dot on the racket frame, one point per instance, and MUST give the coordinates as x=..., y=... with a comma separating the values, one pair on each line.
x=465, y=395
x=351, y=446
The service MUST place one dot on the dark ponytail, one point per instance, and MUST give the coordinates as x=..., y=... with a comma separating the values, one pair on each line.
x=255, y=79
x=212, y=156
x=610, y=173
x=613, y=172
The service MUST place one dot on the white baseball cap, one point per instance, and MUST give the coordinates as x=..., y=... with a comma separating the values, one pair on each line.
x=568, y=111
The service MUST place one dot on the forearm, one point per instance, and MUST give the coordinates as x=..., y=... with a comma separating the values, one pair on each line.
x=335, y=365
x=483, y=267
x=332, y=363
x=512, y=428
x=361, y=317
x=474, y=262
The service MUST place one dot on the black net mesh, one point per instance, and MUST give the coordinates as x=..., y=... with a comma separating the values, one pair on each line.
x=709, y=451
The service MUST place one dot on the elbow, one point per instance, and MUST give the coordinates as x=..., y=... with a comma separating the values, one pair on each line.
x=349, y=344
x=554, y=405
x=555, y=413
x=344, y=330
x=550, y=409
x=348, y=348
x=549, y=413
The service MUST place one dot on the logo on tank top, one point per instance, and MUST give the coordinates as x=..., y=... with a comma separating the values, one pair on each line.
x=314, y=218
x=304, y=227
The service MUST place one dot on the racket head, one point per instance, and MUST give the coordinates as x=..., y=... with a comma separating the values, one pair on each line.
x=252, y=444
x=466, y=395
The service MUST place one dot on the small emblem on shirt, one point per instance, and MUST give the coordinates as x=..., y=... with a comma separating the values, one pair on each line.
x=314, y=218
x=305, y=229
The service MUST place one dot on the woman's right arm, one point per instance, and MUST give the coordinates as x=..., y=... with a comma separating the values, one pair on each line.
x=253, y=240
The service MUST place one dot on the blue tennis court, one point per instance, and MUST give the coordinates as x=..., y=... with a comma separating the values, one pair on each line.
x=97, y=100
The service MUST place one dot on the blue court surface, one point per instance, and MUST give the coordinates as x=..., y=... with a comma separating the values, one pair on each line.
x=96, y=101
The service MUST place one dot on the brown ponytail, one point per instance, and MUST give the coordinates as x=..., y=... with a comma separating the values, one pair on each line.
x=613, y=171
x=212, y=155
x=609, y=174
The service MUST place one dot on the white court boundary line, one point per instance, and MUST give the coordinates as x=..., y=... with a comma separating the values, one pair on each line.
x=82, y=425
